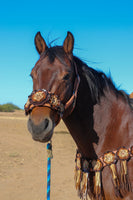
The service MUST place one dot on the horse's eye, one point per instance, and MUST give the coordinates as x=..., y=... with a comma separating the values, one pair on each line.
x=66, y=77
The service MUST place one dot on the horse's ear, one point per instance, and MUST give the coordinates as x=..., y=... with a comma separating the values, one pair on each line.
x=68, y=43
x=40, y=43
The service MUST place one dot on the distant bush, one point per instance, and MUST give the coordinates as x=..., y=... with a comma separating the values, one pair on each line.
x=8, y=107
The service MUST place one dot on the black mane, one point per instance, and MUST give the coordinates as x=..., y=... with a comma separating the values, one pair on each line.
x=98, y=83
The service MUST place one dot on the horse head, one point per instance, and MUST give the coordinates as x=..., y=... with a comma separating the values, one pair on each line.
x=55, y=82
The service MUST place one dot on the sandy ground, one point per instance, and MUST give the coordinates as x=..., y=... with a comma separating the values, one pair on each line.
x=23, y=162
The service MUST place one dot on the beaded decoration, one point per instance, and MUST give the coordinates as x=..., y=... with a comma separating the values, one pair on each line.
x=84, y=168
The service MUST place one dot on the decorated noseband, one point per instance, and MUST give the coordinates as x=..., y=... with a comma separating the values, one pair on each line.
x=42, y=97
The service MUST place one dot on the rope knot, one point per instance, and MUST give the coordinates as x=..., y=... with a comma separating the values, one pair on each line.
x=49, y=150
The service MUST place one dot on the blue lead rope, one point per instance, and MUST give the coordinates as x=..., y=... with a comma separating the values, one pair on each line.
x=50, y=156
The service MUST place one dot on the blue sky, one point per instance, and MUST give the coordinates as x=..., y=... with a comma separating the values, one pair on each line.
x=103, y=32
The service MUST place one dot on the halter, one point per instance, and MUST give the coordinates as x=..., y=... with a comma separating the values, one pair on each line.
x=44, y=98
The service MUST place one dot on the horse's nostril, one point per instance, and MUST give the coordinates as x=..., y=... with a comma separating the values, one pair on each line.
x=46, y=123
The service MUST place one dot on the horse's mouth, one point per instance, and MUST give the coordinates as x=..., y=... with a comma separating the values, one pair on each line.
x=42, y=138
x=42, y=132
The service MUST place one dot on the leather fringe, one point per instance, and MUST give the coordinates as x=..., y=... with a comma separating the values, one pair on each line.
x=97, y=185
x=78, y=173
x=84, y=186
x=124, y=179
x=123, y=155
x=115, y=179
x=97, y=167
x=81, y=178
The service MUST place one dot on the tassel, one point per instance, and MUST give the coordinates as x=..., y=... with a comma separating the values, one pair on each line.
x=81, y=177
x=115, y=179
x=84, y=186
x=97, y=185
x=85, y=180
x=78, y=180
x=110, y=159
x=78, y=173
x=125, y=183
x=123, y=155
x=97, y=167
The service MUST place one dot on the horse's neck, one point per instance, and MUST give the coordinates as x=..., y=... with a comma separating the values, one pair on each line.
x=101, y=127
x=80, y=122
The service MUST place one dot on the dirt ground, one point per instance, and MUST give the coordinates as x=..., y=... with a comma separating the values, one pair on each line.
x=23, y=162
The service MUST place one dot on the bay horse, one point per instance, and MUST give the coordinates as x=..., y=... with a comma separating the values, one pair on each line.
x=98, y=116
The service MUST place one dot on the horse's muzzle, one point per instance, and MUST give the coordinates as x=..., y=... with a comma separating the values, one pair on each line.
x=41, y=132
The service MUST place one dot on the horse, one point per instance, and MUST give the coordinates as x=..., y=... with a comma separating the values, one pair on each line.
x=97, y=114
